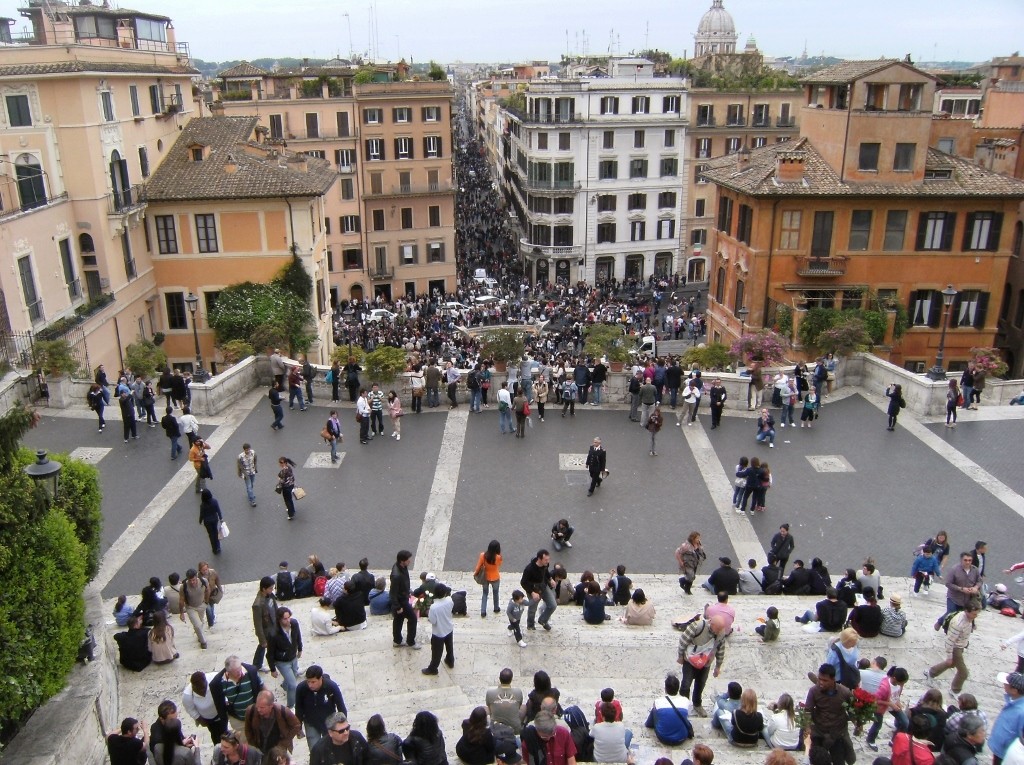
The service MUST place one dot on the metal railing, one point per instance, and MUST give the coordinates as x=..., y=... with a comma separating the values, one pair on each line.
x=811, y=266
x=123, y=201
x=400, y=190
x=37, y=204
x=382, y=274
x=784, y=122
x=539, y=250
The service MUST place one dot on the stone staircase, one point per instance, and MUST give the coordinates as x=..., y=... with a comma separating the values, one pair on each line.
x=375, y=677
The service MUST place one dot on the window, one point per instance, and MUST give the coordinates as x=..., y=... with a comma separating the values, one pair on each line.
x=705, y=115
x=374, y=149
x=352, y=259
x=327, y=225
x=166, y=235
x=699, y=236
x=700, y=208
x=636, y=202
x=432, y=183
x=670, y=104
x=343, y=125
x=605, y=232
x=562, y=236
x=155, y=99
x=435, y=252
x=738, y=303
x=211, y=298
x=345, y=158
x=869, y=156
x=725, y=215
x=403, y=148
x=432, y=146
x=789, y=239
x=378, y=220
x=982, y=231
x=133, y=96
x=638, y=139
x=401, y=114
x=666, y=199
x=349, y=224
x=93, y=26
x=206, y=233
x=641, y=104
x=407, y=217
x=563, y=205
x=720, y=285
x=431, y=113
x=669, y=167
x=969, y=309
x=28, y=289
x=542, y=141
x=540, y=234
x=539, y=204
x=903, y=160
x=935, y=230
x=638, y=168
x=107, y=105
x=732, y=145
x=197, y=153
x=1018, y=317
x=67, y=263
x=177, y=316
x=609, y=105
x=373, y=116
x=606, y=203
x=670, y=139
x=852, y=300
x=276, y=126
x=31, y=183
x=784, y=119
x=895, y=229
x=745, y=223
x=860, y=229
x=734, y=115
x=947, y=145
x=347, y=189
x=312, y=125
x=564, y=174
x=144, y=161
x=609, y=139
x=703, y=148
x=821, y=235
x=925, y=308
x=761, y=115
x=564, y=141
x=434, y=216
x=637, y=229
x=607, y=169
x=409, y=254
x=666, y=229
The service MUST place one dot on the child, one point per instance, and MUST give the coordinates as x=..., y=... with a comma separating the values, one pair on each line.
x=810, y=409
x=515, y=613
x=925, y=566
x=607, y=697
x=770, y=626
x=739, y=483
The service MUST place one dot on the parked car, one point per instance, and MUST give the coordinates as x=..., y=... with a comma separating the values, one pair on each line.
x=380, y=314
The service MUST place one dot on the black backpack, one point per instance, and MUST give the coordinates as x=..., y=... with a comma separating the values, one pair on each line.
x=580, y=730
x=284, y=589
x=849, y=675
x=459, y=607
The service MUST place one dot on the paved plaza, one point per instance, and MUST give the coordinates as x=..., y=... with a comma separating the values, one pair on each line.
x=848, y=487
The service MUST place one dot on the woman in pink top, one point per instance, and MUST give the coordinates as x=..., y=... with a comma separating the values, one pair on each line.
x=395, y=413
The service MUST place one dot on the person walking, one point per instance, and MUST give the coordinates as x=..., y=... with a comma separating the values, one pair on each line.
x=597, y=465
x=189, y=425
x=264, y=619
x=126, y=402
x=570, y=391
x=432, y=378
x=335, y=375
x=648, y=398
x=401, y=608
x=538, y=585
x=717, y=396
x=953, y=399
x=276, y=406
x=149, y=403
x=295, y=388
x=540, y=392
x=782, y=546
x=488, y=568
x=286, y=483
x=829, y=730
x=97, y=402
x=961, y=626
x=896, y=402
x=442, y=630
x=200, y=462
x=214, y=587
x=522, y=410
x=210, y=516
x=689, y=555
x=193, y=600
x=395, y=413
x=363, y=417
x=352, y=370
x=332, y=434
x=284, y=651
x=173, y=431
x=702, y=641
x=416, y=384
x=654, y=423
x=963, y=585
x=308, y=375
x=635, y=384
x=247, y=472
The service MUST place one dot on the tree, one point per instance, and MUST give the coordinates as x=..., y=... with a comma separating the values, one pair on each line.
x=502, y=345
x=990, y=360
x=234, y=351
x=764, y=346
x=847, y=335
x=364, y=76
x=707, y=357
x=54, y=357
x=246, y=311
x=145, y=358
x=436, y=72
x=385, y=363
x=606, y=340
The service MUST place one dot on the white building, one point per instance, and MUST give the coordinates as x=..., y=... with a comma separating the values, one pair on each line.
x=593, y=169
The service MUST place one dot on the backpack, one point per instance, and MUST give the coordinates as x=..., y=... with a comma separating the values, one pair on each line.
x=284, y=589
x=947, y=620
x=849, y=675
x=774, y=588
x=459, y=607
x=319, y=586
x=580, y=730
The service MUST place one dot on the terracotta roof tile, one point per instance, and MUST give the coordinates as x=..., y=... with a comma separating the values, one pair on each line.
x=262, y=172
x=245, y=69
x=76, y=67
x=92, y=9
x=848, y=71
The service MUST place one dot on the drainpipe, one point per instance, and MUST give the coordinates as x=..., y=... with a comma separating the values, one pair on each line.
x=846, y=137
x=771, y=251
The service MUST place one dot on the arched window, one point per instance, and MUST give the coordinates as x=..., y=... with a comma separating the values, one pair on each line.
x=85, y=244
x=31, y=186
x=119, y=181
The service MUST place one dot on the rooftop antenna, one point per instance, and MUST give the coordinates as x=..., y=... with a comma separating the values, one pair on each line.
x=351, y=48
x=647, y=34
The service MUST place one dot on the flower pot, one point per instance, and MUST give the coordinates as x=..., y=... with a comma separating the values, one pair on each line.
x=500, y=366
x=617, y=366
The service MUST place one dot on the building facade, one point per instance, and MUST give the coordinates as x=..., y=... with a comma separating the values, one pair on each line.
x=859, y=210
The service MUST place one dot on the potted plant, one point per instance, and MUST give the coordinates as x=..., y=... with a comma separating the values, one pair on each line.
x=503, y=346
x=607, y=340
x=385, y=364
x=234, y=351
x=765, y=346
x=55, y=360
x=145, y=358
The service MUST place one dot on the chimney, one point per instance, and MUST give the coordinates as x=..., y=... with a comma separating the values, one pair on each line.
x=743, y=159
x=789, y=167
x=230, y=167
x=298, y=163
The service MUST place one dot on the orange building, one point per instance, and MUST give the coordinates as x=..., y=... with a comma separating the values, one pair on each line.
x=860, y=207
x=227, y=206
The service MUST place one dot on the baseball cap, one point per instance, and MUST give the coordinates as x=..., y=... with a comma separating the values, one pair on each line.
x=726, y=560
x=1013, y=679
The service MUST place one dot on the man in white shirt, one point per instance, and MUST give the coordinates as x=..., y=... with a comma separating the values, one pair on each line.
x=505, y=409
x=198, y=702
x=442, y=629
x=750, y=579
x=189, y=425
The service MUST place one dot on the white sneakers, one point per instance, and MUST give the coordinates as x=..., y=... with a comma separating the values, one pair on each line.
x=522, y=644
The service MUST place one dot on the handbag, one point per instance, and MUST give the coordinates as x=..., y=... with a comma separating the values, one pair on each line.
x=326, y=434
x=298, y=493
x=480, y=575
x=700, y=659
x=223, y=532
x=359, y=417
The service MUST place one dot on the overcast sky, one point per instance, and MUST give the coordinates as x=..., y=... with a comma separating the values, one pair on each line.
x=488, y=31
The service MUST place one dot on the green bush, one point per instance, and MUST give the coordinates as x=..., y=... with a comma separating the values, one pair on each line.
x=384, y=364
x=246, y=311
x=234, y=351
x=711, y=357
x=145, y=358
x=816, y=321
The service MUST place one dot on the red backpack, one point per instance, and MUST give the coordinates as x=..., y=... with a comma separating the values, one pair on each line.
x=319, y=586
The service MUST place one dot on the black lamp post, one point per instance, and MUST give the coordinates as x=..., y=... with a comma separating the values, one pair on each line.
x=938, y=372
x=192, y=301
x=45, y=472
x=743, y=313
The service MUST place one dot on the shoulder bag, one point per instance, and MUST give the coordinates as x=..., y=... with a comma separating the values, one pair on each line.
x=480, y=575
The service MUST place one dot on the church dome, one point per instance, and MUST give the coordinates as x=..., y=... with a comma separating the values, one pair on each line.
x=717, y=21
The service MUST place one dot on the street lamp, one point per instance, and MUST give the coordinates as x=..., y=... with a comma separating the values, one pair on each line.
x=192, y=301
x=938, y=372
x=45, y=472
x=743, y=313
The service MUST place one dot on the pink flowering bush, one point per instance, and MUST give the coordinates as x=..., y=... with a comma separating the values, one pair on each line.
x=765, y=346
x=990, y=360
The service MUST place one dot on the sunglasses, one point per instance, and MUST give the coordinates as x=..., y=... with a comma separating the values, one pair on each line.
x=341, y=730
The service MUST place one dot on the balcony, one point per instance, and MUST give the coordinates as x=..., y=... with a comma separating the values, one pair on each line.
x=761, y=122
x=785, y=122
x=537, y=185
x=410, y=189
x=122, y=202
x=821, y=267
x=542, y=251
x=736, y=122
x=705, y=121
x=382, y=274
x=39, y=203
x=557, y=118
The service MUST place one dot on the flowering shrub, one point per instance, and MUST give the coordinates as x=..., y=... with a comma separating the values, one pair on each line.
x=243, y=309
x=990, y=360
x=764, y=346
x=848, y=335
x=860, y=708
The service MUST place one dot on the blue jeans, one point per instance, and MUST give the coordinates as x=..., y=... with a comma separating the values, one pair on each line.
x=278, y=416
x=673, y=393
x=968, y=391
x=433, y=396
x=313, y=736
x=334, y=449
x=295, y=393
x=527, y=385
x=250, y=487
x=547, y=596
x=505, y=418
x=493, y=586
x=595, y=393
x=475, y=399
x=289, y=678
x=767, y=434
x=211, y=616
x=787, y=414
x=902, y=724
x=175, y=447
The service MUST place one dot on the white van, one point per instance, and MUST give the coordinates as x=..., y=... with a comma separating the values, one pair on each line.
x=480, y=277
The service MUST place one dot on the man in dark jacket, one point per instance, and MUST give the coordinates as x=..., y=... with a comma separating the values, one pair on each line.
x=581, y=376
x=364, y=580
x=269, y=724
x=829, y=613
x=717, y=396
x=782, y=546
x=597, y=381
x=538, y=585
x=635, y=383
x=799, y=580
x=724, y=578
x=966, y=743
x=401, y=609
x=264, y=618
x=234, y=689
x=597, y=465
x=317, y=698
x=343, y=745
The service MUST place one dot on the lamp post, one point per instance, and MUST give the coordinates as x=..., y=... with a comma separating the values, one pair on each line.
x=192, y=301
x=45, y=472
x=938, y=372
x=743, y=313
